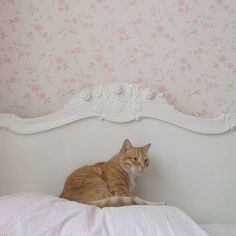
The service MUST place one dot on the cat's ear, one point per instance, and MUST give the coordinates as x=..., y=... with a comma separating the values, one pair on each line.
x=126, y=145
x=146, y=147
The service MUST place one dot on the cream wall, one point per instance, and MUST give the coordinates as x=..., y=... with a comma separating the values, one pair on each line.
x=50, y=50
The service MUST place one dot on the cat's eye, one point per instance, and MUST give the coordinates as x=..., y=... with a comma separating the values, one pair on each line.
x=135, y=158
x=146, y=161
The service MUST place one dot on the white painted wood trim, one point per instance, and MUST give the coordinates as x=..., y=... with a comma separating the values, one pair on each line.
x=118, y=102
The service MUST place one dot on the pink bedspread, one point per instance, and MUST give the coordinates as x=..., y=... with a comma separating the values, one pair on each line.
x=34, y=214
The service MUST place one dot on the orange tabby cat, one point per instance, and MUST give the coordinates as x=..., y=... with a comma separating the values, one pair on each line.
x=109, y=183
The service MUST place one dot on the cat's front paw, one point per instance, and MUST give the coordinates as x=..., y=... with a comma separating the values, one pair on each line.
x=156, y=203
x=159, y=203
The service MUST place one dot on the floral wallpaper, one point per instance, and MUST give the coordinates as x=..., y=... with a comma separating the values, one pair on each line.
x=51, y=49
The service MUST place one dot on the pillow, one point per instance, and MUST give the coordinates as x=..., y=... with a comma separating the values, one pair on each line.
x=41, y=214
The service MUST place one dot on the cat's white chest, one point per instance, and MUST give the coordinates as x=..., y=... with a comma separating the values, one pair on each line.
x=132, y=181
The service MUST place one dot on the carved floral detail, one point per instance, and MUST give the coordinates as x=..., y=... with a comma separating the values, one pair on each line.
x=118, y=88
x=138, y=107
x=149, y=94
x=119, y=95
x=6, y=120
x=97, y=91
x=98, y=107
x=230, y=119
x=86, y=94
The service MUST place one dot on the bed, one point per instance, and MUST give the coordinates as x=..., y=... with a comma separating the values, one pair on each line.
x=192, y=162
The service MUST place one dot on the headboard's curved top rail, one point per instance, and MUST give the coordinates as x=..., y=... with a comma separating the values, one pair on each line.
x=118, y=102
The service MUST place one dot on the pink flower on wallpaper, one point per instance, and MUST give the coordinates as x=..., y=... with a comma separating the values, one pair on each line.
x=11, y=49
x=38, y=27
x=141, y=82
x=183, y=60
x=121, y=31
x=206, y=26
x=203, y=112
x=85, y=25
x=100, y=1
x=161, y=88
x=103, y=63
x=122, y=34
x=167, y=35
x=200, y=50
x=15, y=20
x=35, y=88
x=61, y=2
x=181, y=5
x=147, y=55
x=42, y=95
x=180, y=2
x=59, y=60
x=74, y=20
x=160, y=28
x=168, y=96
x=72, y=80
x=22, y=54
x=106, y=7
x=106, y=65
x=77, y=50
x=222, y=58
x=85, y=85
x=211, y=85
x=226, y=7
x=12, y=80
x=99, y=58
x=45, y=35
x=138, y=21
x=198, y=80
x=195, y=21
x=135, y=50
x=230, y=66
x=219, y=1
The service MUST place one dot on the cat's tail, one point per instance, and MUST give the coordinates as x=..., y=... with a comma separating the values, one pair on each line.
x=117, y=201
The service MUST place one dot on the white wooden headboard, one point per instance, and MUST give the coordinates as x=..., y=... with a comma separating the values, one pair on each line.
x=193, y=160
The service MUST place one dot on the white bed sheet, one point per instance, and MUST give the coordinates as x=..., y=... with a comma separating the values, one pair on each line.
x=39, y=214
x=220, y=229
